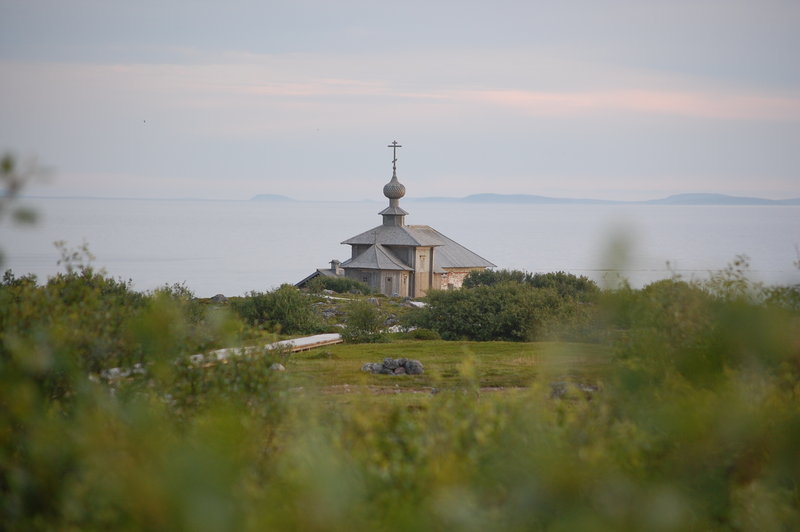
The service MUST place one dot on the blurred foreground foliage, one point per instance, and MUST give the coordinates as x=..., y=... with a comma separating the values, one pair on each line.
x=696, y=426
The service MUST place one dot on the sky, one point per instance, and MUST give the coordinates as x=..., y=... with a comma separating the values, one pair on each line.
x=627, y=100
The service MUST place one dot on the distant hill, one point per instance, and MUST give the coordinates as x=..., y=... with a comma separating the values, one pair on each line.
x=271, y=197
x=677, y=199
x=513, y=198
x=719, y=199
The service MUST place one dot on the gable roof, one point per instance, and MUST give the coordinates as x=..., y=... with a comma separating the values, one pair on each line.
x=377, y=257
x=392, y=235
x=449, y=253
x=323, y=272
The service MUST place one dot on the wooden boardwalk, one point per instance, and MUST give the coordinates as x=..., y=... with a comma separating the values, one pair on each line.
x=309, y=342
x=221, y=355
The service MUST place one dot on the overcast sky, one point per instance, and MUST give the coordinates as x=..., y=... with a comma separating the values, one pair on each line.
x=599, y=99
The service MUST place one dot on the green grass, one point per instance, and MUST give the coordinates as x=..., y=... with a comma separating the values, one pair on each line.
x=496, y=364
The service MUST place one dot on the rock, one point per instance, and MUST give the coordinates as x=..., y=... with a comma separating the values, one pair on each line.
x=219, y=298
x=414, y=367
x=391, y=366
x=277, y=367
x=372, y=367
x=374, y=301
x=328, y=292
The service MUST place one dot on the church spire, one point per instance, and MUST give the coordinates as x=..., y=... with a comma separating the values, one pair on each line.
x=394, y=190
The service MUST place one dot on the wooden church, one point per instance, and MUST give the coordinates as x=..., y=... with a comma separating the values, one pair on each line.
x=403, y=260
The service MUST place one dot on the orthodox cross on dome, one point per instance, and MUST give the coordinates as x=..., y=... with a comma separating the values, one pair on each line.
x=394, y=145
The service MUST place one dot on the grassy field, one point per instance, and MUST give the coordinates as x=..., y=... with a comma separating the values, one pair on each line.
x=497, y=365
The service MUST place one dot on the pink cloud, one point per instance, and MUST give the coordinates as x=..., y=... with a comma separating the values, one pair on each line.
x=686, y=103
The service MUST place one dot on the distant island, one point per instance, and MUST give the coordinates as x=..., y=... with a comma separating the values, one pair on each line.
x=677, y=199
x=271, y=197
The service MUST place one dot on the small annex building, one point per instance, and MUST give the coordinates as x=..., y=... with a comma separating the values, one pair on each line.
x=403, y=260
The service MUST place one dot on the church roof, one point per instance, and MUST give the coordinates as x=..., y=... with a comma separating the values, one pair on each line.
x=377, y=257
x=449, y=253
x=391, y=235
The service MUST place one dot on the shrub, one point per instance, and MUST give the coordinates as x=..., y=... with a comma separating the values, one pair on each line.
x=363, y=324
x=284, y=309
x=341, y=285
x=507, y=311
x=566, y=284
x=424, y=334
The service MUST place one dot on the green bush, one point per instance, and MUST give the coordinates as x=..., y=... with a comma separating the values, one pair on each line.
x=505, y=311
x=284, y=310
x=568, y=286
x=363, y=323
x=341, y=285
x=422, y=334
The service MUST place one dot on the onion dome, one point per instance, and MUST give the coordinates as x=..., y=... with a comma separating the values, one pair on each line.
x=394, y=189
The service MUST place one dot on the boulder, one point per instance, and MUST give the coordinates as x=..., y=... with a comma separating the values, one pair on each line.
x=394, y=366
x=372, y=367
x=414, y=367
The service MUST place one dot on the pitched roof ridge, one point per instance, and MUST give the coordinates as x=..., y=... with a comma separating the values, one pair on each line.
x=389, y=255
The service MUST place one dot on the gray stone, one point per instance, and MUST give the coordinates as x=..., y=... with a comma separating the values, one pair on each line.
x=372, y=367
x=391, y=366
x=374, y=301
x=277, y=367
x=414, y=367
x=219, y=298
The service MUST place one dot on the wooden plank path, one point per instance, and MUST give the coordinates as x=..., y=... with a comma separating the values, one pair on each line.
x=294, y=345
x=308, y=342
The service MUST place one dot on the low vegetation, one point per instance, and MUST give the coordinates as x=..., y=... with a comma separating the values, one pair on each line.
x=342, y=285
x=678, y=409
x=515, y=306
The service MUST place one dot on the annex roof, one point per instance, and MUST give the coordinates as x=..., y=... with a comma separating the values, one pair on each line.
x=324, y=272
x=449, y=253
x=377, y=257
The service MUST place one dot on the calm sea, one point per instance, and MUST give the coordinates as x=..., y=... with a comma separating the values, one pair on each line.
x=232, y=247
